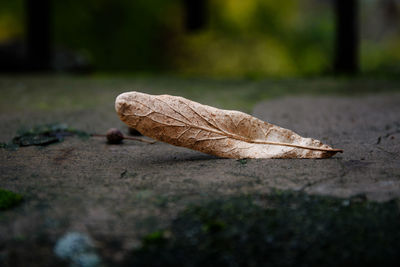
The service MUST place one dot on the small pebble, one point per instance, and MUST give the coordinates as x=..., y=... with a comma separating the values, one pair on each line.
x=77, y=248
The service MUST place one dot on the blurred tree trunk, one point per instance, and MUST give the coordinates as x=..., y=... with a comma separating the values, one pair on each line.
x=195, y=14
x=38, y=34
x=347, y=37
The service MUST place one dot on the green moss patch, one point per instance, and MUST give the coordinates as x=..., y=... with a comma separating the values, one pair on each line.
x=8, y=199
x=42, y=135
x=279, y=229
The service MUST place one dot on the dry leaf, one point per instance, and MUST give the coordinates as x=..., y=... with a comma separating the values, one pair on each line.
x=224, y=133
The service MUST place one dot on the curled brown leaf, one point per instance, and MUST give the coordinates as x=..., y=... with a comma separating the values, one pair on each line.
x=224, y=133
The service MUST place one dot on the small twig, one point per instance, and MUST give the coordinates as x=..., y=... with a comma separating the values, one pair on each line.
x=127, y=137
x=139, y=139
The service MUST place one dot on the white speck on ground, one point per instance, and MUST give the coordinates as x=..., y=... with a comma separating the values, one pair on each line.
x=77, y=249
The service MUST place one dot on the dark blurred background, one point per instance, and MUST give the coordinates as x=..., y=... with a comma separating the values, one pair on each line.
x=222, y=38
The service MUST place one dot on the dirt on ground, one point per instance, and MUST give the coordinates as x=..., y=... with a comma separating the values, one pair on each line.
x=117, y=193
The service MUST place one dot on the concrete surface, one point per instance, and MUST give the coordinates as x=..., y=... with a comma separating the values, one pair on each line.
x=367, y=128
x=115, y=193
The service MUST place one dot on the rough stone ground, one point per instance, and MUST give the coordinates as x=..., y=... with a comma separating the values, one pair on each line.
x=367, y=128
x=116, y=193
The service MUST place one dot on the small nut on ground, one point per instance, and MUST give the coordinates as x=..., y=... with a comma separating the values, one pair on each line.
x=114, y=136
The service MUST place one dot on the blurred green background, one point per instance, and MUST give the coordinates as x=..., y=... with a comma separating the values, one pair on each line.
x=255, y=38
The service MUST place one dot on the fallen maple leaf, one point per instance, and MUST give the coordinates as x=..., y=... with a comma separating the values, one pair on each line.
x=224, y=133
